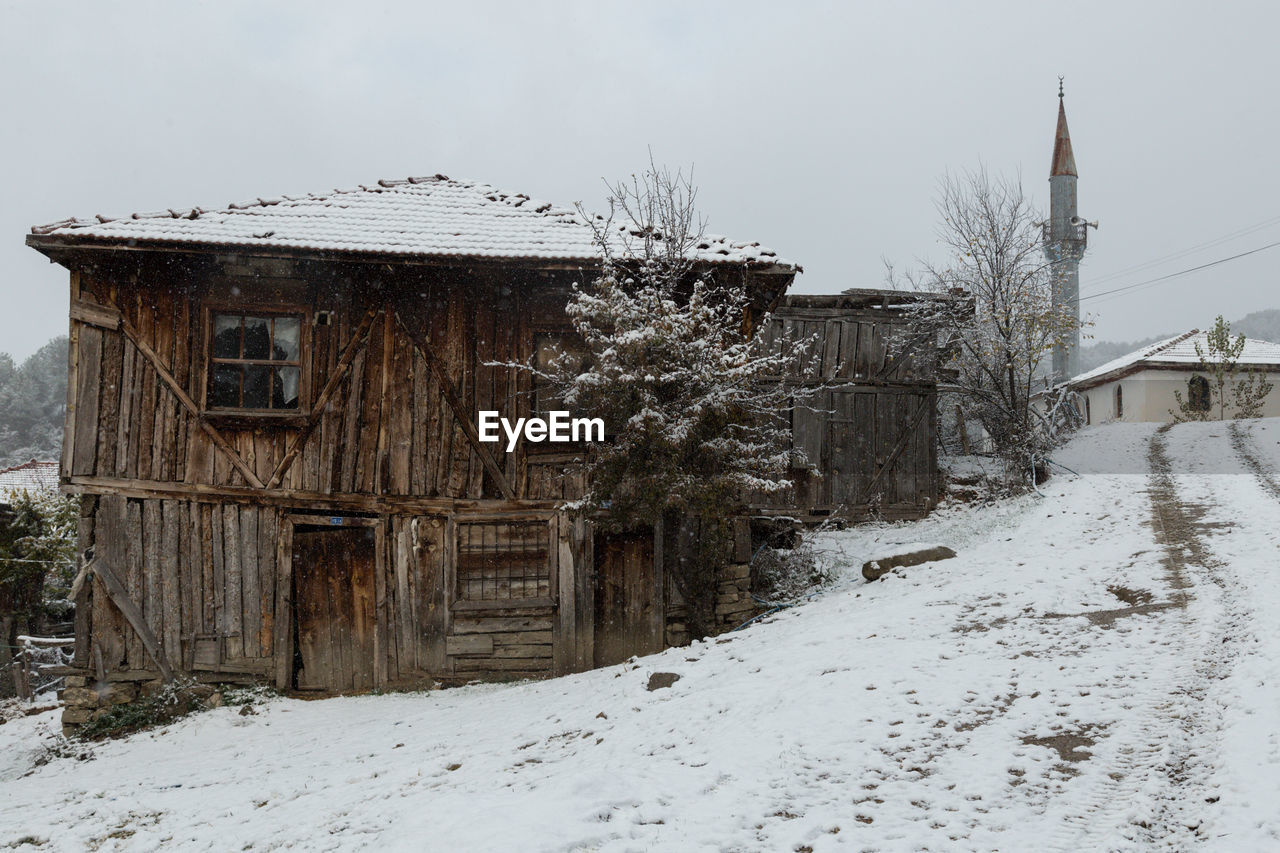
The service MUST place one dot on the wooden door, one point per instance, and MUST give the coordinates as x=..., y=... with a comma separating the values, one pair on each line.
x=628, y=605
x=335, y=615
x=851, y=441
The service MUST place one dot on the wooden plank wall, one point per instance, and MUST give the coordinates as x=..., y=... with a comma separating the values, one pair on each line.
x=205, y=577
x=211, y=576
x=506, y=639
x=853, y=429
x=385, y=431
x=200, y=573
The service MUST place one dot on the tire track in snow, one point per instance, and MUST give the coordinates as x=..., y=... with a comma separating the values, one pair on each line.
x=1157, y=768
x=1243, y=447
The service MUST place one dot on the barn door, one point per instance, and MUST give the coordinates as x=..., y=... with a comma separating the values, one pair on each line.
x=628, y=607
x=335, y=615
x=879, y=452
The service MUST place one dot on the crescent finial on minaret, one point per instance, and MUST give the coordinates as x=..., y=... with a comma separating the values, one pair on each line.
x=1059, y=85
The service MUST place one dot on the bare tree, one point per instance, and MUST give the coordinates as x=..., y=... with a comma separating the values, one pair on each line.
x=1000, y=326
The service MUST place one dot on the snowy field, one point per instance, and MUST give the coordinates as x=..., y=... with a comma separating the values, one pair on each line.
x=1098, y=669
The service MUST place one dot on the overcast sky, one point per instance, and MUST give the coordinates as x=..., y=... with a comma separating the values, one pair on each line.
x=818, y=129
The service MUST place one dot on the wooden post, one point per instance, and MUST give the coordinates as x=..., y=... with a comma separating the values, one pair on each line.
x=381, y=629
x=22, y=672
x=283, y=646
x=566, y=626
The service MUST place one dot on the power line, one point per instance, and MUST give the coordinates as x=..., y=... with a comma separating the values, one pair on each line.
x=1157, y=280
x=1240, y=232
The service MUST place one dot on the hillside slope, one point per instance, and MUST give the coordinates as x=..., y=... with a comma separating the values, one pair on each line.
x=1099, y=668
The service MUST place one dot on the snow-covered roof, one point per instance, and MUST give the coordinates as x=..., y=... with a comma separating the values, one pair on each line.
x=1178, y=350
x=29, y=476
x=434, y=216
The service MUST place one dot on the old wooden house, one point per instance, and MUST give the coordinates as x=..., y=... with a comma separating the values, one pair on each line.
x=272, y=421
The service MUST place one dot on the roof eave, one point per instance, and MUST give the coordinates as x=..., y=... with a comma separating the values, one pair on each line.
x=1138, y=367
x=57, y=246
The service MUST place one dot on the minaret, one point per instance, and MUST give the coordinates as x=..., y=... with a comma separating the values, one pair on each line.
x=1065, y=240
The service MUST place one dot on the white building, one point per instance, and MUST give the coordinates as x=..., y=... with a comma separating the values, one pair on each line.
x=1140, y=386
x=33, y=476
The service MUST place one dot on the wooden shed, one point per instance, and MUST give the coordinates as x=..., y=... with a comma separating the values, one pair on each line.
x=873, y=435
x=272, y=421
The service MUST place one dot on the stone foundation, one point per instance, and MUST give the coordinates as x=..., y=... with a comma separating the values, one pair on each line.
x=734, y=605
x=85, y=699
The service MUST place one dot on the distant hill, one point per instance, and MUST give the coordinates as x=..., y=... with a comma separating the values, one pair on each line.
x=1263, y=325
x=33, y=396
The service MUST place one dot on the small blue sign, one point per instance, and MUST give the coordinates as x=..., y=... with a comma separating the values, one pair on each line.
x=335, y=519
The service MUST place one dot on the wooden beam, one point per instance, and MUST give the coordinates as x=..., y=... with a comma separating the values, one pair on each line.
x=83, y=442
x=459, y=411
x=73, y=382
x=496, y=508
x=131, y=335
x=358, y=338
x=892, y=362
x=137, y=621
x=565, y=637
x=381, y=628
x=903, y=440
x=380, y=450
x=95, y=315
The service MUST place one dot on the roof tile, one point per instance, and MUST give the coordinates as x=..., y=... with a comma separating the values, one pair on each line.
x=1181, y=349
x=431, y=216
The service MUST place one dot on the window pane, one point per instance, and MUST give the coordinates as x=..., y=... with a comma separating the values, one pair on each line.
x=286, y=339
x=224, y=390
x=257, y=337
x=226, y=336
x=284, y=391
x=257, y=386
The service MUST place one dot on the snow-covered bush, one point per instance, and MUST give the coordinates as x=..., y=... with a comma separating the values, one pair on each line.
x=37, y=560
x=784, y=574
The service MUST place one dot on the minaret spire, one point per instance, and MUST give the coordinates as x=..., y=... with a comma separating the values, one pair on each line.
x=1065, y=240
x=1064, y=162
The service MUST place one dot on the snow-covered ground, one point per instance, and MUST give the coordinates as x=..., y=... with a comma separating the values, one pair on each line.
x=1098, y=669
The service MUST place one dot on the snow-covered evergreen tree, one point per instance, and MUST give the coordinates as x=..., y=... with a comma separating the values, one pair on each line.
x=695, y=417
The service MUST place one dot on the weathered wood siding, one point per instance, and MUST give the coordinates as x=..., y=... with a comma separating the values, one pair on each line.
x=872, y=436
x=386, y=427
x=194, y=512
x=202, y=574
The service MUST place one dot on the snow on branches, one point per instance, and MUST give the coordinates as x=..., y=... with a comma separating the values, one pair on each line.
x=1211, y=395
x=694, y=411
x=1000, y=325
